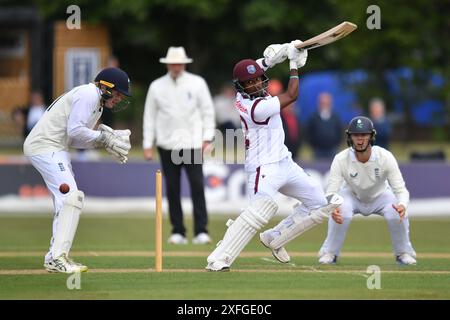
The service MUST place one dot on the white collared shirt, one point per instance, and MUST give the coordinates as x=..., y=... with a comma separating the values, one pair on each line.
x=67, y=122
x=263, y=129
x=368, y=180
x=179, y=114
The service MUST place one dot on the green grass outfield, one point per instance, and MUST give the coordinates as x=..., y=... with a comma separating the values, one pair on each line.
x=119, y=251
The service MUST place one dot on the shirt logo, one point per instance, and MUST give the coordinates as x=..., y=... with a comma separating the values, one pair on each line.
x=61, y=166
x=353, y=175
x=251, y=69
x=239, y=106
x=377, y=173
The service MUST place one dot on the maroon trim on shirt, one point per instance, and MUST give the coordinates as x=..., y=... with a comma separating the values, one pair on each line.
x=244, y=122
x=252, y=113
x=258, y=170
x=247, y=141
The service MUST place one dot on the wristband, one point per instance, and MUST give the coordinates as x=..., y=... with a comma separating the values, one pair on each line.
x=291, y=77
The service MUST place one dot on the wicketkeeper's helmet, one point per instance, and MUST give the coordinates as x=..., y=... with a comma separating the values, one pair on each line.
x=245, y=70
x=360, y=125
x=114, y=79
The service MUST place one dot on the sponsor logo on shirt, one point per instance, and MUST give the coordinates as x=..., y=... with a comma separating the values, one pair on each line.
x=240, y=107
x=377, y=173
x=353, y=175
x=61, y=166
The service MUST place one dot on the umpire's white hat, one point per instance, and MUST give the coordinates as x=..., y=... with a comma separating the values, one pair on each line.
x=176, y=55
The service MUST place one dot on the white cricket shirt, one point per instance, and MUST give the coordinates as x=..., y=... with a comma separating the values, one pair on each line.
x=263, y=129
x=67, y=122
x=179, y=114
x=368, y=180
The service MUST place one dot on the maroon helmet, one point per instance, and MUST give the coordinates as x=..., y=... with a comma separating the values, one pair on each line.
x=245, y=70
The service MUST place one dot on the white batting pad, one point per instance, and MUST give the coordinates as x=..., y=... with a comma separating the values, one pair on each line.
x=241, y=231
x=67, y=223
x=298, y=223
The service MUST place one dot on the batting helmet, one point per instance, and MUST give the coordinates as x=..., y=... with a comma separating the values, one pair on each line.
x=249, y=69
x=114, y=79
x=360, y=125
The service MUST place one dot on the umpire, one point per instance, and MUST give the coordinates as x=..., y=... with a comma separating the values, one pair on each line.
x=179, y=116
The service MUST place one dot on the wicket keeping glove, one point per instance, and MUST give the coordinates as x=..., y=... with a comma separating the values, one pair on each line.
x=116, y=142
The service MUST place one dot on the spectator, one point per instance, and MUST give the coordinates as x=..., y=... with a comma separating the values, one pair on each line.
x=226, y=115
x=27, y=117
x=36, y=110
x=377, y=113
x=179, y=115
x=291, y=125
x=324, y=129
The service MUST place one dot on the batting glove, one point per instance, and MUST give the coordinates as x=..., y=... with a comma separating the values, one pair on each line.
x=275, y=54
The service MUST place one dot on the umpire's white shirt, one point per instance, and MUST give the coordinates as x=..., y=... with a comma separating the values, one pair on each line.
x=368, y=180
x=68, y=122
x=179, y=114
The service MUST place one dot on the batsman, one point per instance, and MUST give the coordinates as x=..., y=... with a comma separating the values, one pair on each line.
x=268, y=163
x=69, y=122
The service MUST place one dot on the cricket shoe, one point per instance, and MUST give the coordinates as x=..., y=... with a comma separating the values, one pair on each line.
x=405, y=259
x=280, y=254
x=218, y=266
x=177, y=238
x=202, y=238
x=63, y=265
x=328, y=258
x=82, y=267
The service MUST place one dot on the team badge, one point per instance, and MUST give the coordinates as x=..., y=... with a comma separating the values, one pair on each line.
x=251, y=69
x=359, y=124
x=377, y=173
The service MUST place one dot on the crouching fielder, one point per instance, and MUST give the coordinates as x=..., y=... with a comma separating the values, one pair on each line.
x=68, y=122
x=373, y=185
x=268, y=164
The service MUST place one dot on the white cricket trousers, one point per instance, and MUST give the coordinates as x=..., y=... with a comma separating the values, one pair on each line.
x=382, y=206
x=288, y=178
x=56, y=169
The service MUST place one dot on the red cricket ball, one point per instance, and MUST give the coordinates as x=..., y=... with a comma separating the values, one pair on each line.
x=64, y=188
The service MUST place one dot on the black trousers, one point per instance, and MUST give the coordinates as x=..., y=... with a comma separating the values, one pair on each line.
x=172, y=174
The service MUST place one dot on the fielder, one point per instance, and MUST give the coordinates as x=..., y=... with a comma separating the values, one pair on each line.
x=373, y=185
x=69, y=122
x=268, y=163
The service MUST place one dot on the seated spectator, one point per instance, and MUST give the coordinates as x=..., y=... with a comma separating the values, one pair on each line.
x=324, y=129
x=27, y=117
x=36, y=109
x=383, y=127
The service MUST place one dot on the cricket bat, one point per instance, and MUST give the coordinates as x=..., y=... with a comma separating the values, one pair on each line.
x=329, y=36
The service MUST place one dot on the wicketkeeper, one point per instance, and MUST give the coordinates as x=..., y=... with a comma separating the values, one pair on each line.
x=69, y=122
